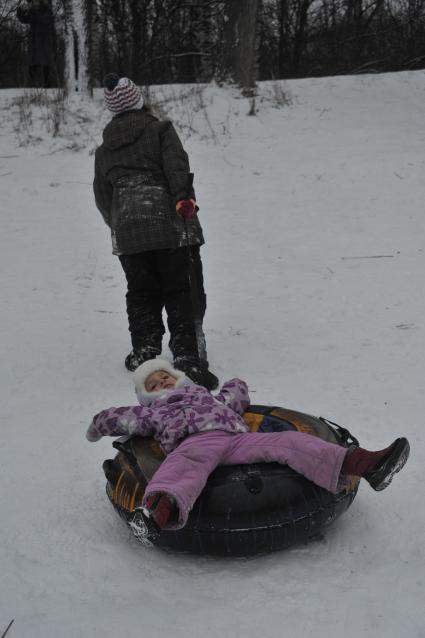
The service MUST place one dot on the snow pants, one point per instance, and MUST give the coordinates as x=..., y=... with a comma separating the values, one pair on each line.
x=185, y=471
x=158, y=279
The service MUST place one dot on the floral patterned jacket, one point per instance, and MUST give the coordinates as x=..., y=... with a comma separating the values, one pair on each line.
x=177, y=414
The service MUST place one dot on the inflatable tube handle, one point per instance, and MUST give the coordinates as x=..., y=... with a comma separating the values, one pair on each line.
x=120, y=445
x=346, y=438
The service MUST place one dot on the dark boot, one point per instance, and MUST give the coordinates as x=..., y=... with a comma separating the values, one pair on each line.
x=378, y=468
x=143, y=527
x=138, y=356
x=149, y=520
x=199, y=374
x=382, y=474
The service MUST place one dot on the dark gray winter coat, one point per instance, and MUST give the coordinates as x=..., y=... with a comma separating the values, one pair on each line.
x=141, y=171
x=40, y=46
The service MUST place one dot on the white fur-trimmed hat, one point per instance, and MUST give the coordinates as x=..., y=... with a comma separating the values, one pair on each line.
x=145, y=370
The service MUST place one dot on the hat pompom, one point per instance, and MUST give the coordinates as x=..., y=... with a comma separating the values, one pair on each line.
x=110, y=81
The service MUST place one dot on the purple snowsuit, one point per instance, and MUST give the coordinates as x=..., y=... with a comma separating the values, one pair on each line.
x=199, y=432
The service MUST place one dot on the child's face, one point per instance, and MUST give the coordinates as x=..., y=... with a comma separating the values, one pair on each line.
x=160, y=380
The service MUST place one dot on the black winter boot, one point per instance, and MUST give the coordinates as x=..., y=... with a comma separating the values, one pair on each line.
x=382, y=474
x=378, y=468
x=138, y=356
x=199, y=374
x=144, y=527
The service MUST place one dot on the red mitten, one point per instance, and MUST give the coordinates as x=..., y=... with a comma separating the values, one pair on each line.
x=186, y=208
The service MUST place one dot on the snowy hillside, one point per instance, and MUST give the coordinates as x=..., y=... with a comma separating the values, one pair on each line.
x=314, y=268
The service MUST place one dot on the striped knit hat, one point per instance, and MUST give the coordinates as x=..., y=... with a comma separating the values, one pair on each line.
x=121, y=94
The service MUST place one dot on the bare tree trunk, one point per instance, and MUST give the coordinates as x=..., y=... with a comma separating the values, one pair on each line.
x=300, y=33
x=78, y=40
x=104, y=39
x=204, y=39
x=239, y=63
x=69, y=36
x=136, y=39
x=82, y=13
x=283, y=37
x=89, y=16
x=122, y=28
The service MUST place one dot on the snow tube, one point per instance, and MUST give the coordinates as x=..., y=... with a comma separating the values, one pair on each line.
x=243, y=509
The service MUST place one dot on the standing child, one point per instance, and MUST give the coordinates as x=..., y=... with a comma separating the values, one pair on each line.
x=199, y=431
x=143, y=188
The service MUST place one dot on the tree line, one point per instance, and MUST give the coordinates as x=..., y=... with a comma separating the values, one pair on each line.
x=165, y=41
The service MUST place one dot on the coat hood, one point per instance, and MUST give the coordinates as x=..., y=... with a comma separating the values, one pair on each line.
x=126, y=128
x=147, y=368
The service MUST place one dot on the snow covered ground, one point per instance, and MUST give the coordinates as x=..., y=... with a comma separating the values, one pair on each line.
x=314, y=268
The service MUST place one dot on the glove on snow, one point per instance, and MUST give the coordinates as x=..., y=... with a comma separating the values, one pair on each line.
x=92, y=434
x=186, y=208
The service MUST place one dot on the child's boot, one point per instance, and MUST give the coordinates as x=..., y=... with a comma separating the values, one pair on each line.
x=199, y=374
x=148, y=520
x=138, y=356
x=143, y=527
x=378, y=468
